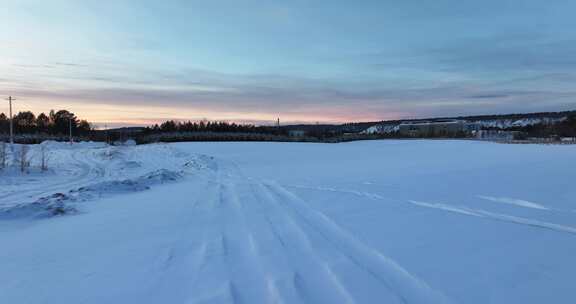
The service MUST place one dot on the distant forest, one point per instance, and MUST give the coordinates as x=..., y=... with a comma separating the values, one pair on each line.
x=55, y=123
x=359, y=126
x=171, y=126
x=566, y=128
x=206, y=126
x=33, y=129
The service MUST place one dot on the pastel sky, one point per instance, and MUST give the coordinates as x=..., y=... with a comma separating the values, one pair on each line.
x=130, y=62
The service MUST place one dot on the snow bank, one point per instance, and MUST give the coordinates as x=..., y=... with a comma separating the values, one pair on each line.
x=87, y=171
x=63, y=203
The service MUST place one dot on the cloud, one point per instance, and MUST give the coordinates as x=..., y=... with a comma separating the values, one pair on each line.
x=497, y=74
x=316, y=100
x=70, y=64
x=489, y=96
x=508, y=53
x=33, y=66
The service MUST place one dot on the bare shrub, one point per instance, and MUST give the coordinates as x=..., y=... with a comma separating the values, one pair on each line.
x=3, y=155
x=43, y=158
x=23, y=158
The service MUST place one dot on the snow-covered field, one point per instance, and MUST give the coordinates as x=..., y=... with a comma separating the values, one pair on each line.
x=361, y=222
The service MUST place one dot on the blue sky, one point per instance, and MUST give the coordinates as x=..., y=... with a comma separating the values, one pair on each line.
x=137, y=62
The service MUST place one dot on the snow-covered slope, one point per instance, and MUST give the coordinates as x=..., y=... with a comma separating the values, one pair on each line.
x=509, y=123
x=382, y=129
x=360, y=222
x=491, y=123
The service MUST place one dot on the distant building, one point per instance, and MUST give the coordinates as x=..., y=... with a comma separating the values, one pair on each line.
x=497, y=135
x=438, y=128
x=296, y=133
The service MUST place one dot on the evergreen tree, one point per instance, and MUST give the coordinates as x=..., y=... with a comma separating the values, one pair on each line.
x=61, y=120
x=4, y=123
x=25, y=122
x=168, y=126
x=42, y=122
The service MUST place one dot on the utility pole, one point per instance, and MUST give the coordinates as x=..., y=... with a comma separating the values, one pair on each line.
x=10, y=99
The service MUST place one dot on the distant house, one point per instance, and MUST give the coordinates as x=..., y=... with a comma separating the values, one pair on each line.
x=438, y=128
x=296, y=133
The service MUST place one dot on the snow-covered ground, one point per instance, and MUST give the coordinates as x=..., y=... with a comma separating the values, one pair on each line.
x=361, y=222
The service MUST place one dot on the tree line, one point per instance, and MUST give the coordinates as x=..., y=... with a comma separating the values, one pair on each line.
x=565, y=128
x=171, y=126
x=208, y=126
x=55, y=123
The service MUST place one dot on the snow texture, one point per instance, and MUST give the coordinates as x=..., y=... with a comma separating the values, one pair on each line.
x=360, y=222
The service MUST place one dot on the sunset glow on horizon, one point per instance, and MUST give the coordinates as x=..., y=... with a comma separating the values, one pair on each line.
x=127, y=115
x=123, y=63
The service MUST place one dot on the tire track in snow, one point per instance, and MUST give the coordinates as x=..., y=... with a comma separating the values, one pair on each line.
x=274, y=256
x=284, y=267
x=406, y=287
x=513, y=201
x=311, y=275
x=468, y=211
x=308, y=245
x=179, y=265
x=235, y=260
x=496, y=216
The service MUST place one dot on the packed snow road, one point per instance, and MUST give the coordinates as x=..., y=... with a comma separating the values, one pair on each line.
x=366, y=222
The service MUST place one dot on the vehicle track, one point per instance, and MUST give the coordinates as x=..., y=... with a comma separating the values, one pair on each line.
x=266, y=245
